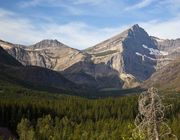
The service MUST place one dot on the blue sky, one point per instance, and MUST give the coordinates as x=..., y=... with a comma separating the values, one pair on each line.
x=83, y=23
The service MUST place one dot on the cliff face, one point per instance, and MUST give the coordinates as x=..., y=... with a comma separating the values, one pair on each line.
x=122, y=61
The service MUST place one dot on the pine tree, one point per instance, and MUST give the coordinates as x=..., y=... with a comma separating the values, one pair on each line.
x=25, y=130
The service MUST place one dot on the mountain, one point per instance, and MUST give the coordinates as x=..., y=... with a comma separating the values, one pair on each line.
x=49, y=54
x=123, y=61
x=167, y=78
x=74, y=64
x=135, y=55
x=32, y=76
x=126, y=53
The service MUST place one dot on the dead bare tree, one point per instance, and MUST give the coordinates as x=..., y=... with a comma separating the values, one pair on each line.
x=151, y=120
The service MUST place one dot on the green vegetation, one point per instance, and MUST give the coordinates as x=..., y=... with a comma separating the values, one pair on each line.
x=34, y=115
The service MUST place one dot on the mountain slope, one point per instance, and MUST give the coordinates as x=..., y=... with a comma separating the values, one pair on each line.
x=76, y=65
x=36, y=77
x=170, y=49
x=94, y=76
x=167, y=78
x=32, y=76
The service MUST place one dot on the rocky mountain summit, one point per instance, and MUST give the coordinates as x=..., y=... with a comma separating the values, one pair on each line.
x=122, y=61
x=50, y=54
x=126, y=53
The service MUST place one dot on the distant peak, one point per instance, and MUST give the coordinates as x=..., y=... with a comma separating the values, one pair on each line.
x=135, y=26
x=50, y=41
x=136, y=30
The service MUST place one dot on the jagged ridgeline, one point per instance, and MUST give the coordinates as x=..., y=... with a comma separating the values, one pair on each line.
x=123, y=61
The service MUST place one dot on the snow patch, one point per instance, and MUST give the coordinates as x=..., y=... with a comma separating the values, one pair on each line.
x=143, y=56
x=154, y=51
x=154, y=59
x=137, y=53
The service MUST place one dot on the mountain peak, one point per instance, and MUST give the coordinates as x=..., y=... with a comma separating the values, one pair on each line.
x=48, y=43
x=136, y=31
x=136, y=26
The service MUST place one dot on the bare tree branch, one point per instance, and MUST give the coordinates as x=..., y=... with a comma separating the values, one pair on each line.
x=151, y=119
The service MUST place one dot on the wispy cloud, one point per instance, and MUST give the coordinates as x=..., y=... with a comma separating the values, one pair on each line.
x=142, y=4
x=168, y=29
x=75, y=34
x=92, y=2
x=4, y=13
x=77, y=7
x=66, y=8
x=31, y=3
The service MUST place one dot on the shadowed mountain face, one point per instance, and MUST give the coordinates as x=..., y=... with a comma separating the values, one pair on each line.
x=122, y=61
x=7, y=59
x=138, y=61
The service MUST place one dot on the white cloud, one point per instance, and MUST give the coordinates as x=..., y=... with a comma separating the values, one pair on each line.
x=139, y=5
x=163, y=29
